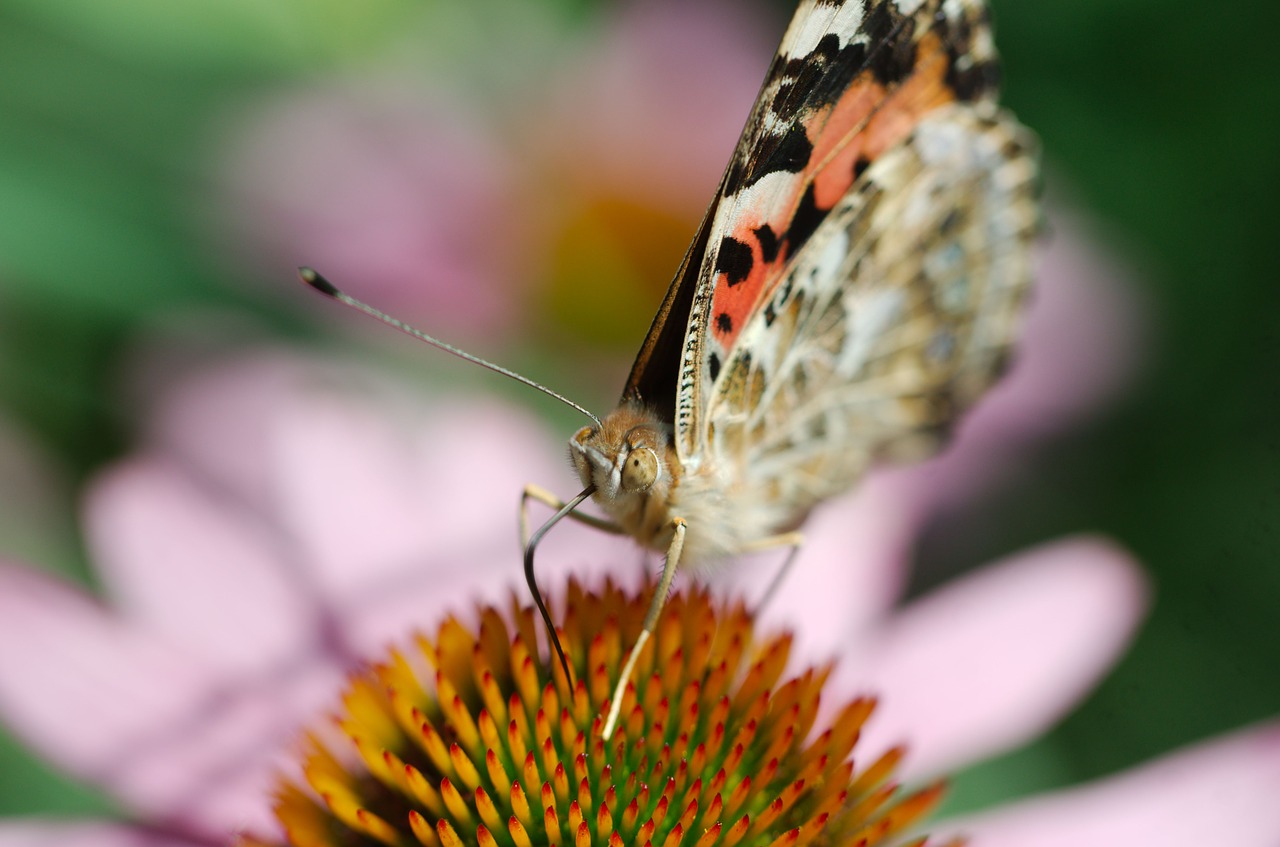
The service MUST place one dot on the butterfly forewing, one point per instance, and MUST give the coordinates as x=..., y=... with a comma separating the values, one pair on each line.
x=848, y=83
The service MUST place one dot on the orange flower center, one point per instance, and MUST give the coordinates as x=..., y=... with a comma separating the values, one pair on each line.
x=475, y=738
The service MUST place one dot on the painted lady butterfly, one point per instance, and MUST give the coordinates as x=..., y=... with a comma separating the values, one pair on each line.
x=854, y=286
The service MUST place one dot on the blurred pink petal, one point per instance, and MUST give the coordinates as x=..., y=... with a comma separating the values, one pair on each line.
x=398, y=194
x=208, y=580
x=985, y=662
x=994, y=658
x=115, y=705
x=372, y=493
x=657, y=100
x=1220, y=792
x=366, y=498
x=219, y=422
x=64, y=652
x=243, y=590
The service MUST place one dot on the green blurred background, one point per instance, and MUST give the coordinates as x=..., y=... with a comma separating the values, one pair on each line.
x=1158, y=118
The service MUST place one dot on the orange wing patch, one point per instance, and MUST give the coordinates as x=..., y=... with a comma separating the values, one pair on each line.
x=845, y=136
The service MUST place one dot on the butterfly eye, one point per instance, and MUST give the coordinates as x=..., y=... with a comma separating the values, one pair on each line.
x=640, y=470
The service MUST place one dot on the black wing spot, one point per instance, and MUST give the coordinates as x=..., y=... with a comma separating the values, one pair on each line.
x=724, y=322
x=832, y=69
x=782, y=98
x=734, y=260
x=713, y=363
x=768, y=242
x=977, y=80
x=779, y=299
x=789, y=152
x=860, y=164
x=820, y=77
x=806, y=220
x=959, y=34
x=893, y=58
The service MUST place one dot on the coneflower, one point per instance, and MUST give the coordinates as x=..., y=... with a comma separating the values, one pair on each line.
x=475, y=737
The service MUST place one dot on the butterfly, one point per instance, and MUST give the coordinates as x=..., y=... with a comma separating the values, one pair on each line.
x=854, y=286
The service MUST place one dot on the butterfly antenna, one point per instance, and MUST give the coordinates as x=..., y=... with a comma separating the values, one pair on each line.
x=533, y=585
x=328, y=289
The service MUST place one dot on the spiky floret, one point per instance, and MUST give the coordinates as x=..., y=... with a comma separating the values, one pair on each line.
x=474, y=738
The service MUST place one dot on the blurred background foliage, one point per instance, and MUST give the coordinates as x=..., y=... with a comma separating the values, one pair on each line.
x=137, y=204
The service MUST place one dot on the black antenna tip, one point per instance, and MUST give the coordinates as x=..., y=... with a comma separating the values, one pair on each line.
x=319, y=283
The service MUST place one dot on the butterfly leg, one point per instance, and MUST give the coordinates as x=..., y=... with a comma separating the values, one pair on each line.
x=545, y=497
x=650, y=621
x=794, y=540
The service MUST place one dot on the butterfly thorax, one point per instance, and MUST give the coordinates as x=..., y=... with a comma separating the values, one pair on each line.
x=631, y=460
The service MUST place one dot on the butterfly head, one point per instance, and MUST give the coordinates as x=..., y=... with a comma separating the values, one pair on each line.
x=627, y=455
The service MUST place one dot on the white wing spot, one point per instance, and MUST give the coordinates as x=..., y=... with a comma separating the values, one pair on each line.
x=945, y=265
x=827, y=264
x=869, y=316
x=844, y=24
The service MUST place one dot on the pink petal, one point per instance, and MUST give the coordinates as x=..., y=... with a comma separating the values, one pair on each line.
x=37, y=833
x=422, y=185
x=995, y=657
x=657, y=69
x=388, y=509
x=77, y=683
x=477, y=554
x=219, y=777
x=385, y=614
x=196, y=565
x=1221, y=792
x=219, y=420
x=152, y=724
x=371, y=499
x=847, y=574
